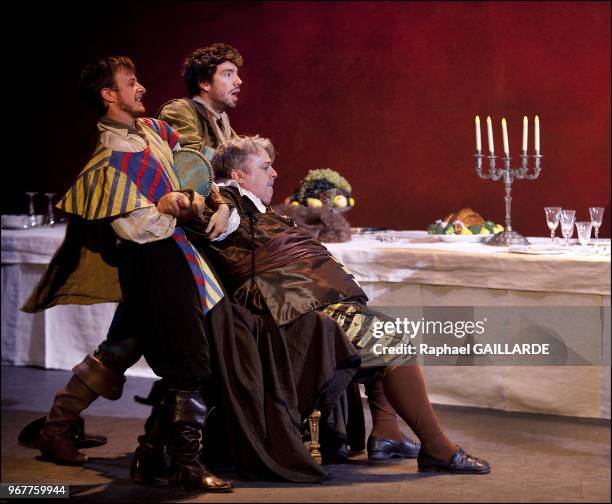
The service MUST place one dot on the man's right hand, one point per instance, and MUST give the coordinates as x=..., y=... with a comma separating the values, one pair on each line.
x=172, y=203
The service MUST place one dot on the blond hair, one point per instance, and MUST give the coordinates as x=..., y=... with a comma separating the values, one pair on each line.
x=232, y=155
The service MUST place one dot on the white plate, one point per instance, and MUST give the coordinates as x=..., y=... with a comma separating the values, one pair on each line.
x=463, y=238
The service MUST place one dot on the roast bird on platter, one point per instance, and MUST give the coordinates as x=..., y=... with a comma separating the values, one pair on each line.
x=466, y=225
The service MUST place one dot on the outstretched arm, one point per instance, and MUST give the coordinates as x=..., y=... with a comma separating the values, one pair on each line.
x=152, y=223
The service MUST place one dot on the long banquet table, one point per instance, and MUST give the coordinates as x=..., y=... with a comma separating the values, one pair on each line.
x=395, y=268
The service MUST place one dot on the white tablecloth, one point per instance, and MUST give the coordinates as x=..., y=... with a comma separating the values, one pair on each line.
x=57, y=338
x=418, y=258
x=413, y=269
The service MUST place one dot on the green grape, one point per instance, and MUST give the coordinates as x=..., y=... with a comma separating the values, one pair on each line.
x=324, y=184
x=329, y=175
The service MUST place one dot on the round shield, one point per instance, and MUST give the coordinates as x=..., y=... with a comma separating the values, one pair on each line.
x=194, y=171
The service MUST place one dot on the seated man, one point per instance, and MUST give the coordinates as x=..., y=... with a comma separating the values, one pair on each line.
x=273, y=267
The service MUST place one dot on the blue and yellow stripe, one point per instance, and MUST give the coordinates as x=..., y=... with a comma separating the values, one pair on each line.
x=116, y=183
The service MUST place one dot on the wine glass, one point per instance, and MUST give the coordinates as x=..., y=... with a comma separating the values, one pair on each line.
x=568, y=217
x=552, y=220
x=583, y=228
x=50, y=220
x=31, y=222
x=596, y=218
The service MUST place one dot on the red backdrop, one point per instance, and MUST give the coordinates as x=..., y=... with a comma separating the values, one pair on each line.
x=384, y=93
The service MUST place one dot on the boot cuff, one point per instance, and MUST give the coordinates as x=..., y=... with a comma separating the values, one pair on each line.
x=189, y=407
x=99, y=378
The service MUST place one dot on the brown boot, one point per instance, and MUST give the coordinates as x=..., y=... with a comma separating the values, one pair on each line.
x=54, y=439
x=189, y=415
x=90, y=380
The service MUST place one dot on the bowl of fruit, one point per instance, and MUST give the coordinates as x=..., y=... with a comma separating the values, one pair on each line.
x=466, y=225
x=323, y=187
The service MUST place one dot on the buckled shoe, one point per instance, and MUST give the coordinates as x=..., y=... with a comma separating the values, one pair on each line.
x=460, y=463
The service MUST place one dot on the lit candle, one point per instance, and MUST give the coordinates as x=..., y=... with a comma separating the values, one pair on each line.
x=537, y=134
x=478, y=144
x=490, y=135
x=505, y=137
x=525, y=128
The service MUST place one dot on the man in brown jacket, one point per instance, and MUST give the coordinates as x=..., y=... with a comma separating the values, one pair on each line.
x=211, y=77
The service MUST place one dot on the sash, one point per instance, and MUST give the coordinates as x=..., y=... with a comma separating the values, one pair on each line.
x=294, y=275
x=288, y=247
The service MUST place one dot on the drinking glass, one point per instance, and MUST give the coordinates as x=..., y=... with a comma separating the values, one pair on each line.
x=31, y=222
x=583, y=229
x=50, y=220
x=596, y=218
x=552, y=220
x=568, y=217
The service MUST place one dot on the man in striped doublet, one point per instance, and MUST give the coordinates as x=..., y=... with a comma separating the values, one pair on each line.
x=124, y=243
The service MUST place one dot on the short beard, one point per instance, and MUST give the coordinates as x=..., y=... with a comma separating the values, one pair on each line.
x=125, y=108
x=221, y=104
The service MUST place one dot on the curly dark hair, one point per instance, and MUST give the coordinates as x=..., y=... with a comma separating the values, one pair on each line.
x=100, y=74
x=201, y=64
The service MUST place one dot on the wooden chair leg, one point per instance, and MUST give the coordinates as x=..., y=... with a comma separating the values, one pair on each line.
x=313, y=420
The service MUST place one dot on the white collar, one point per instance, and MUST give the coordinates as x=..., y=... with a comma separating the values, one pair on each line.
x=243, y=192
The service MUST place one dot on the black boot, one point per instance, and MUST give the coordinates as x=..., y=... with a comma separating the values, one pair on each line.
x=149, y=462
x=189, y=415
x=90, y=380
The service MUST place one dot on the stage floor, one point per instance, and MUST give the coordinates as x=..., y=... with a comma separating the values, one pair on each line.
x=535, y=458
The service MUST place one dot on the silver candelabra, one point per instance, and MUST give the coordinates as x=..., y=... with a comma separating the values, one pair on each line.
x=509, y=236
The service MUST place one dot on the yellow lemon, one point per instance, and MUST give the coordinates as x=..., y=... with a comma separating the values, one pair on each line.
x=314, y=202
x=339, y=201
x=295, y=203
x=352, y=201
x=484, y=231
x=465, y=231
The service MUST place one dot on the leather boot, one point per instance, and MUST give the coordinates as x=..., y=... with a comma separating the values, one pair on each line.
x=90, y=380
x=188, y=419
x=54, y=440
x=149, y=462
